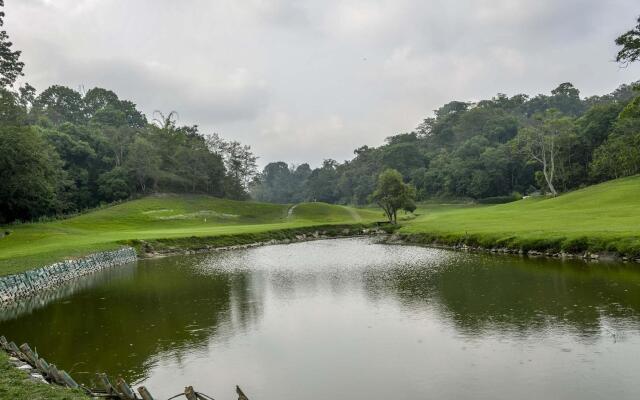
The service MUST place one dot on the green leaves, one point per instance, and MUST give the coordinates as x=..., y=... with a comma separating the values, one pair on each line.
x=392, y=194
x=630, y=42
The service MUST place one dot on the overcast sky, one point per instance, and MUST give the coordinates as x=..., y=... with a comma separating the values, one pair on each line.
x=307, y=80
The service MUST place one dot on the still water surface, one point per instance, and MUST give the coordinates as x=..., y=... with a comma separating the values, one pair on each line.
x=348, y=318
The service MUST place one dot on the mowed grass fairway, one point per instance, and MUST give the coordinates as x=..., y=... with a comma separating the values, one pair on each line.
x=160, y=217
x=600, y=217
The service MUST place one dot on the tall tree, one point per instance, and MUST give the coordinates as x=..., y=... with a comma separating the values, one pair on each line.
x=30, y=173
x=10, y=64
x=144, y=163
x=630, y=42
x=541, y=142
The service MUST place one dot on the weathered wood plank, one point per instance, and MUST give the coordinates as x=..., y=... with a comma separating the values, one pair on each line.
x=125, y=389
x=145, y=393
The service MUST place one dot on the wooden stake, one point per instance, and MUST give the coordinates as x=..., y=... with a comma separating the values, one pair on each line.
x=125, y=389
x=189, y=393
x=145, y=393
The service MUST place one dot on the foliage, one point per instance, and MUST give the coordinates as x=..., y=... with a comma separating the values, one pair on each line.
x=108, y=151
x=630, y=42
x=30, y=172
x=64, y=151
x=10, y=64
x=392, y=194
x=491, y=148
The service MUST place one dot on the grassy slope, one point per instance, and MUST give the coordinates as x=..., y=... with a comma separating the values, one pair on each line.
x=14, y=384
x=600, y=217
x=163, y=216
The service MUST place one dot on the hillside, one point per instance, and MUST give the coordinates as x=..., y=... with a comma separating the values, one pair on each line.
x=159, y=217
x=600, y=217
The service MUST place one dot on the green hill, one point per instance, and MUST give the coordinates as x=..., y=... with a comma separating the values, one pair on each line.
x=597, y=218
x=159, y=217
x=600, y=217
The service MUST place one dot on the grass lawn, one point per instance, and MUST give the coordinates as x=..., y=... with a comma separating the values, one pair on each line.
x=600, y=217
x=597, y=218
x=159, y=217
x=15, y=384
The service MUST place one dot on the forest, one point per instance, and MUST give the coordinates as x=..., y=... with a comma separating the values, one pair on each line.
x=64, y=150
x=493, y=150
x=490, y=151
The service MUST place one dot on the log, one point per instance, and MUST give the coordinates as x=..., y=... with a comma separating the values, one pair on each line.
x=3, y=343
x=15, y=350
x=145, y=393
x=43, y=367
x=189, y=393
x=106, y=384
x=56, y=375
x=68, y=381
x=32, y=358
x=125, y=389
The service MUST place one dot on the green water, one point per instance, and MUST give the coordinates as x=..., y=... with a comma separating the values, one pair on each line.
x=349, y=319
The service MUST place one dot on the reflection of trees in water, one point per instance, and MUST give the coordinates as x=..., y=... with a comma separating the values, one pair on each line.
x=133, y=318
x=485, y=294
x=32, y=303
x=246, y=301
x=124, y=326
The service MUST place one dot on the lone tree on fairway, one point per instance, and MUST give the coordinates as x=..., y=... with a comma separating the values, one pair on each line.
x=392, y=194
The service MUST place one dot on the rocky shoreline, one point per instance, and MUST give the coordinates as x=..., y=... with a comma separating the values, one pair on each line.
x=19, y=286
x=400, y=239
x=150, y=252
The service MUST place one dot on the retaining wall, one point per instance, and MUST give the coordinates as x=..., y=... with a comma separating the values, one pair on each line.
x=14, y=287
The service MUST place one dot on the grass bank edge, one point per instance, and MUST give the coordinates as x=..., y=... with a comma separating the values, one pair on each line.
x=618, y=246
x=195, y=243
x=15, y=384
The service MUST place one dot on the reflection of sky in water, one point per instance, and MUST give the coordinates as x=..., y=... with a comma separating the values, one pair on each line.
x=349, y=318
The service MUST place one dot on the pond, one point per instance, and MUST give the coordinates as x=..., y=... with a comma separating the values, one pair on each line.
x=347, y=318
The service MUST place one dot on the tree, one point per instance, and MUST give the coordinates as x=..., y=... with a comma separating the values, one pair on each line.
x=239, y=160
x=541, y=142
x=144, y=163
x=30, y=172
x=322, y=184
x=630, y=42
x=10, y=64
x=114, y=185
x=619, y=155
x=60, y=104
x=392, y=194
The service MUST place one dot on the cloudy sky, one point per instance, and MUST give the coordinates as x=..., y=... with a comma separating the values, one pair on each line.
x=308, y=80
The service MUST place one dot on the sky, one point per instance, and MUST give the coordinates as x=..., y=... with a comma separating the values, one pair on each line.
x=301, y=81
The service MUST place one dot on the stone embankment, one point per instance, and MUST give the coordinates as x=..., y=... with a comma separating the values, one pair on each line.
x=14, y=287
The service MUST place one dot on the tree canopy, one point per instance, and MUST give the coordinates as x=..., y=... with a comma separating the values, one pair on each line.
x=392, y=194
x=630, y=42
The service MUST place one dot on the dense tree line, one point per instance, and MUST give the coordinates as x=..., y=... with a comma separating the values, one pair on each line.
x=493, y=149
x=62, y=151
x=496, y=147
